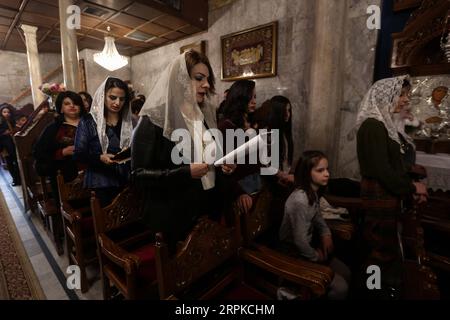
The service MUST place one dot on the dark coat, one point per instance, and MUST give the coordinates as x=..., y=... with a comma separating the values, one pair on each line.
x=44, y=151
x=171, y=199
x=88, y=151
x=380, y=159
x=6, y=141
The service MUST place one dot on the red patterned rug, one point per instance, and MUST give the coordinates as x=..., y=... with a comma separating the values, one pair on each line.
x=17, y=278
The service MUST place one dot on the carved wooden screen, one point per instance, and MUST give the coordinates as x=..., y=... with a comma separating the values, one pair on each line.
x=416, y=50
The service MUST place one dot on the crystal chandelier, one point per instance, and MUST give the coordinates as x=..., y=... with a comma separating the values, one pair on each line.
x=110, y=58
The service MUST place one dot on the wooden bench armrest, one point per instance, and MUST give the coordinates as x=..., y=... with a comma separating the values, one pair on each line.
x=341, y=229
x=126, y=260
x=437, y=261
x=69, y=213
x=146, y=235
x=345, y=202
x=315, y=276
x=436, y=223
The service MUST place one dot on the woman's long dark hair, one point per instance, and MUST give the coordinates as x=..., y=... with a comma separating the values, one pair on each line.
x=117, y=83
x=238, y=98
x=302, y=175
x=87, y=96
x=76, y=99
x=12, y=112
x=271, y=115
x=9, y=107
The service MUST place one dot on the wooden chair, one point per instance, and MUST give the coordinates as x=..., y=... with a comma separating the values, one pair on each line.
x=125, y=248
x=50, y=213
x=24, y=139
x=3, y=155
x=425, y=235
x=208, y=246
x=205, y=266
x=345, y=193
x=420, y=280
x=435, y=219
x=267, y=268
x=345, y=230
x=78, y=225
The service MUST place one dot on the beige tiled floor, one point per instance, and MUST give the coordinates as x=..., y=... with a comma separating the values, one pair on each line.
x=52, y=286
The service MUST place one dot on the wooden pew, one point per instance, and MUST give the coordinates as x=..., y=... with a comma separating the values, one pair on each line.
x=265, y=266
x=50, y=213
x=75, y=211
x=202, y=267
x=125, y=248
x=24, y=140
x=420, y=280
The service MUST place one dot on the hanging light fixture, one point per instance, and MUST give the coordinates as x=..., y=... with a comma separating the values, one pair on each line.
x=445, y=39
x=110, y=58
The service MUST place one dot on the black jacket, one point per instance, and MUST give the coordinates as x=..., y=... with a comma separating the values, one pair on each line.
x=171, y=199
x=380, y=159
x=6, y=140
x=44, y=150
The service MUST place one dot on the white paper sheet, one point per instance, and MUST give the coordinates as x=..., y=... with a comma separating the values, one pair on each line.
x=253, y=144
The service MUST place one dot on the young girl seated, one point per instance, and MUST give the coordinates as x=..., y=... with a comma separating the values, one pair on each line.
x=302, y=217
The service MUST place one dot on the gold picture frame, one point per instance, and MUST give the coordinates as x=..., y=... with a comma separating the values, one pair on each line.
x=199, y=46
x=82, y=75
x=250, y=53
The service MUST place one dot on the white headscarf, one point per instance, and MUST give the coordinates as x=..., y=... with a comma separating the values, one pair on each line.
x=97, y=112
x=172, y=104
x=379, y=104
x=172, y=93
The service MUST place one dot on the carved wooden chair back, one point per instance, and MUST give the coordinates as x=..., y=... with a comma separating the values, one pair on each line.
x=208, y=246
x=78, y=224
x=126, y=247
x=124, y=210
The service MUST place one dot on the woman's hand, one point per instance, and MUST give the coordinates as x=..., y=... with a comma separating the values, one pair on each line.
x=106, y=158
x=198, y=170
x=406, y=114
x=420, y=198
x=320, y=255
x=244, y=202
x=228, y=168
x=285, y=179
x=68, y=151
x=327, y=245
x=421, y=194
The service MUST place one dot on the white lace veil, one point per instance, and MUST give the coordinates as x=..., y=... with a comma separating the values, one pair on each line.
x=379, y=103
x=173, y=94
x=97, y=112
x=172, y=104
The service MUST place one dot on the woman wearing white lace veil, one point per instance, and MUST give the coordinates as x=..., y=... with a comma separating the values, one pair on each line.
x=101, y=134
x=385, y=181
x=175, y=194
x=403, y=118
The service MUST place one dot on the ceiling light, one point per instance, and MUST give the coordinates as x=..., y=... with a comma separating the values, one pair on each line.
x=110, y=58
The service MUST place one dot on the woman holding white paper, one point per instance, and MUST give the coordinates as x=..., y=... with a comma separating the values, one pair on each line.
x=174, y=194
x=240, y=101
